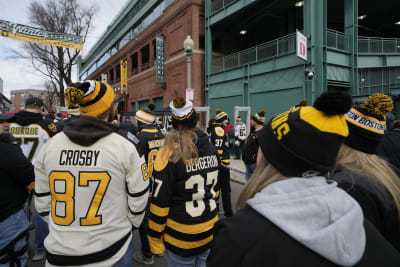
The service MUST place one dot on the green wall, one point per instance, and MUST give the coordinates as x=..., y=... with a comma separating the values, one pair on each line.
x=158, y=103
x=143, y=104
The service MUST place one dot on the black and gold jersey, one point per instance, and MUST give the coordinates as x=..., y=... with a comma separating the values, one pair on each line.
x=183, y=208
x=220, y=140
x=151, y=139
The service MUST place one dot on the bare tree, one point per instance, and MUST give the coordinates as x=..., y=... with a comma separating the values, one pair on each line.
x=51, y=95
x=62, y=16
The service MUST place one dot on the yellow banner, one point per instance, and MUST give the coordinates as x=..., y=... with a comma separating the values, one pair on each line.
x=40, y=40
x=124, y=76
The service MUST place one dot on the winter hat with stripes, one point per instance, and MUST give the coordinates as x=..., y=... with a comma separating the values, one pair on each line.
x=259, y=117
x=183, y=113
x=145, y=116
x=367, y=123
x=220, y=115
x=93, y=97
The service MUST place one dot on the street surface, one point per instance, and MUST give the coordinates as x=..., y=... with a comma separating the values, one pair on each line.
x=237, y=178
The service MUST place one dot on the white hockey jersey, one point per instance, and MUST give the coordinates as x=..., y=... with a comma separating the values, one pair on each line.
x=31, y=138
x=91, y=197
x=240, y=131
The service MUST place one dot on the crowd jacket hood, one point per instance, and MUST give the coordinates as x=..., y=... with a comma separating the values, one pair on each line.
x=317, y=214
x=25, y=118
x=86, y=130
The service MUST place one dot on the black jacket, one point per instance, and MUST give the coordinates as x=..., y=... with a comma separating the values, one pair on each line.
x=389, y=148
x=376, y=202
x=128, y=126
x=250, y=149
x=16, y=172
x=248, y=239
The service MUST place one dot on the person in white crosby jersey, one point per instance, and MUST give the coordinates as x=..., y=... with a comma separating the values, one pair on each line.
x=93, y=181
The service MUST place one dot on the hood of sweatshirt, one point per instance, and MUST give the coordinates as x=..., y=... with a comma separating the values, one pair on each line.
x=87, y=130
x=25, y=118
x=316, y=213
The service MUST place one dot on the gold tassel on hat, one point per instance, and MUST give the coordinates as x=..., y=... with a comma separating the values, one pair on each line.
x=378, y=104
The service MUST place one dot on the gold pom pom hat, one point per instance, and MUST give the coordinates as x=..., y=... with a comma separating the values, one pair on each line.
x=367, y=123
x=93, y=97
x=183, y=113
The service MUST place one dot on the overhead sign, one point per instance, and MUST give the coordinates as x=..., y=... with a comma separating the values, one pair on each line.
x=124, y=76
x=301, y=45
x=35, y=35
x=159, y=59
x=190, y=94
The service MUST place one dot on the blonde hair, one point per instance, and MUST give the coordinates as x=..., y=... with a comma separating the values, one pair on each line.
x=376, y=169
x=264, y=175
x=182, y=143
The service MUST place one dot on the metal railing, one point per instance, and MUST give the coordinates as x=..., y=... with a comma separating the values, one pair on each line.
x=373, y=45
x=277, y=47
x=217, y=5
x=337, y=40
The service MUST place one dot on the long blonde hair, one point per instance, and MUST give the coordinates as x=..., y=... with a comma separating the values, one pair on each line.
x=375, y=168
x=264, y=175
x=182, y=143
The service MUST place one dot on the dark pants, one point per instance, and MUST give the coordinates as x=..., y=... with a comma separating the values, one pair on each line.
x=224, y=178
x=143, y=229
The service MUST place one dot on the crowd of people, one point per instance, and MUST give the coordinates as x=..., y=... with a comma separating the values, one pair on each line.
x=323, y=186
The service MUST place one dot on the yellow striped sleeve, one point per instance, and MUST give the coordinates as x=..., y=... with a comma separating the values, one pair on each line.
x=156, y=227
x=217, y=194
x=158, y=211
x=156, y=245
x=185, y=244
x=192, y=228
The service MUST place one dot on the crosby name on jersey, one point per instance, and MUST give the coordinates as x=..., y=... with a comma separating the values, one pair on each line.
x=79, y=157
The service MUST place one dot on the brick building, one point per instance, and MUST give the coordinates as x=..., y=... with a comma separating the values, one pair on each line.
x=131, y=36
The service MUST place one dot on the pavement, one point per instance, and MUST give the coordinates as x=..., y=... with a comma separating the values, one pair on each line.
x=238, y=170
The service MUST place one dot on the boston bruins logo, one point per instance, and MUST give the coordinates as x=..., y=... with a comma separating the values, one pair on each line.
x=52, y=127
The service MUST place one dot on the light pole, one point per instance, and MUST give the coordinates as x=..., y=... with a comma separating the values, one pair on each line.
x=125, y=94
x=188, y=46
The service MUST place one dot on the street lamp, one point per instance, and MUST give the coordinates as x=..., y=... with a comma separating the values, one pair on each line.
x=188, y=46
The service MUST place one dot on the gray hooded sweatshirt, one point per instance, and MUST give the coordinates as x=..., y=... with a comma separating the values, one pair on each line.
x=317, y=214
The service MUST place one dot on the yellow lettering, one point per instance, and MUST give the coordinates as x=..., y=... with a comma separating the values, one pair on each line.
x=284, y=129
x=279, y=121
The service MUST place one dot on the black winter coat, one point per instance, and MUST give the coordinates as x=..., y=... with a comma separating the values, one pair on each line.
x=248, y=239
x=16, y=172
x=375, y=201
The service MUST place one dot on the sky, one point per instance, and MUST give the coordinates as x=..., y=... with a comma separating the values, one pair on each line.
x=18, y=73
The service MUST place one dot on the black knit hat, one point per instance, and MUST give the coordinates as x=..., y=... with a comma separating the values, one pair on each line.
x=34, y=101
x=259, y=117
x=367, y=123
x=307, y=140
x=183, y=113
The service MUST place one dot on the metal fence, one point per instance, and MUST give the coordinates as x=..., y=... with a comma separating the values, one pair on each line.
x=372, y=45
x=278, y=47
x=378, y=80
x=217, y=5
x=337, y=40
